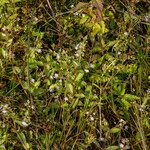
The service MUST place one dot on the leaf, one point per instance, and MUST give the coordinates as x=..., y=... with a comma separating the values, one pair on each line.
x=84, y=19
x=22, y=139
x=130, y=97
x=70, y=88
x=125, y=103
x=115, y=130
x=96, y=29
x=81, y=95
x=103, y=27
x=79, y=76
x=36, y=84
x=112, y=148
x=75, y=103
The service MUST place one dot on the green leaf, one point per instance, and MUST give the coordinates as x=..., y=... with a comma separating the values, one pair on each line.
x=130, y=97
x=36, y=84
x=22, y=139
x=103, y=27
x=70, y=88
x=79, y=76
x=96, y=29
x=112, y=148
x=115, y=130
x=84, y=19
x=81, y=95
x=75, y=103
x=125, y=103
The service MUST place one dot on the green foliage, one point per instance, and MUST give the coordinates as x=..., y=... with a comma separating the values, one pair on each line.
x=74, y=75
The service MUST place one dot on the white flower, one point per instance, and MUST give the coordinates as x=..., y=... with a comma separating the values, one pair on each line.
x=101, y=139
x=147, y=18
x=39, y=50
x=126, y=127
x=148, y=91
x=24, y=124
x=91, y=118
x=66, y=98
x=32, y=80
x=83, y=15
x=57, y=56
x=94, y=113
x=86, y=70
x=56, y=75
x=121, y=120
x=76, y=13
x=4, y=125
x=35, y=19
x=119, y=53
x=3, y=34
x=77, y=46
x=87, y=113
x=4, y=111
x=121, y=145
x=126, y=33
x=141, y=109
x=4, y=29
x=77, y=55
x=91, y=66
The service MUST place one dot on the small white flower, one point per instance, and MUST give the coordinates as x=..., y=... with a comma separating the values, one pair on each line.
x=56, y=97
x=72, y=6
x=76, y=13
x=32, y=80
x=126, y=127
x=119, y=53
x=4, y=29
x=121, y=145
x=121, y=120
x=39, y=50
x=24, y=124
x=77, y=46
x=56, y=75
x=86, y=70
x=87, y=113
x=141, y=109
x=126, y=33
x=101, y=139
x=18, y=19
x=94, y=113
x=57, y=56
x=91, y=118
x=3, y=125
x=83, y=15
x=66, y=98
x=51, y=77
x=4, y=111
x=147, y=18
x=3, y=34
x=77, y=55
x=91, y=66
x=35, y=19
x=148, y=91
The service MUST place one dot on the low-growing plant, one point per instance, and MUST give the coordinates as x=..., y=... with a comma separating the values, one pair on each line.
x=76, y=77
